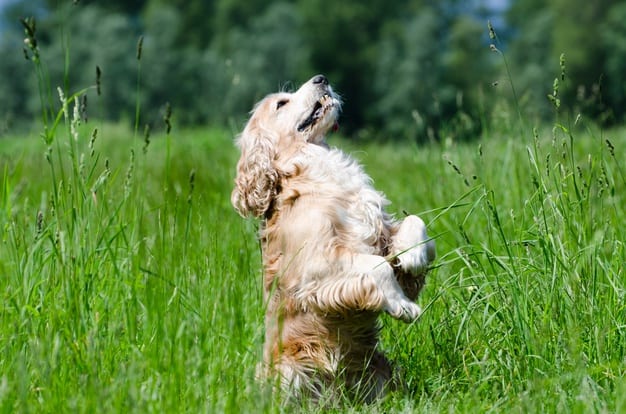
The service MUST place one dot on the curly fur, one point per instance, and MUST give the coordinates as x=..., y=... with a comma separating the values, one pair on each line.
x=333, y=258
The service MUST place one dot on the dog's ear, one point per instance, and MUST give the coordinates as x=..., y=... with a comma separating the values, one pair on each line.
x=257, y=178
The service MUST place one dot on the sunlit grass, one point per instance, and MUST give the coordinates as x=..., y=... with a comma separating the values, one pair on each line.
x=525, y=310
x=140, y=291
x=129, y=284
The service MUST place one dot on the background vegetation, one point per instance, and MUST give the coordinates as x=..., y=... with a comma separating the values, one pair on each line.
x=129, y=284
x=411, y=70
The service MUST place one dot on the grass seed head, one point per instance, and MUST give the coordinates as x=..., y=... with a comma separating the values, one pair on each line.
x=75, y=121
x=92, y=141
x=192, y=179
x=166, y=118
x=492, y=32
x=30, y=42
x=83, y=108
x=611, y=148
x=139, y=47
x=98, y=76
x=39, y=224
x=146, y=138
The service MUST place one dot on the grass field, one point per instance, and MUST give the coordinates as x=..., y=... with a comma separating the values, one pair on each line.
x=129, y=284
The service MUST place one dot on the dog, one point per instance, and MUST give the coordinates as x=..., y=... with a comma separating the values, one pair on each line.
x=333, y=258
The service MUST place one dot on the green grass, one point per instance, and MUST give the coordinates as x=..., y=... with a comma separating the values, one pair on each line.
x=129, y=284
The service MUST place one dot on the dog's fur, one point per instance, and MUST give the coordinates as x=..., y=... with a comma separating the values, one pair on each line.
x=333, y=258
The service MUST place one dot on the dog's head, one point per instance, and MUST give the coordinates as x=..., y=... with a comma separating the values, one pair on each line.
x=279, y=121
x=304, y=115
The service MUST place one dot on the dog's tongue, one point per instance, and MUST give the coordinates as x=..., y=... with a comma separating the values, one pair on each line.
x=335, y=127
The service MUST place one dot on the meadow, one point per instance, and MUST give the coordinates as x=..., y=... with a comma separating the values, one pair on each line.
x=129, y=284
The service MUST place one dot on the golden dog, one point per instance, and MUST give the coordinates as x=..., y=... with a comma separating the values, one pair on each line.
x=333, y=258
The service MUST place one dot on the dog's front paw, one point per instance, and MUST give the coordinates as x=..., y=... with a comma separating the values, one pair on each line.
x=417, y=259
x=393, y=298
x=414, y=250
x=403, y=309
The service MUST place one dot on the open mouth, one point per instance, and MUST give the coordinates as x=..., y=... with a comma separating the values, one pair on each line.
x=319, y=110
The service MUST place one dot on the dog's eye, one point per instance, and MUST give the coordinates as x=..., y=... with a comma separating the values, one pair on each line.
x=281, y=103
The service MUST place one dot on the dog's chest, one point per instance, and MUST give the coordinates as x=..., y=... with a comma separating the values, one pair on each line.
x=365, y=217
x=361, y=209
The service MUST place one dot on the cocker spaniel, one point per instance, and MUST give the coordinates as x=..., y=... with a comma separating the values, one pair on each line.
x=333, y=258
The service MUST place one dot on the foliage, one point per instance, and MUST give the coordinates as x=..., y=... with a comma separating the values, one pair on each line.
x=13, y=67
x=343, y=38
x=264, y=56
x=406, y=110
x=613, y=39
x=581, y=31
x=417, y=70
x=130, y=284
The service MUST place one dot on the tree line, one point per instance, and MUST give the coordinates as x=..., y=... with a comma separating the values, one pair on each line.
x=416, y=69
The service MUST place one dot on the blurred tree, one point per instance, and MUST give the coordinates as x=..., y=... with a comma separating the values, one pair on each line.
x=234, y=15
x=544, y=31
x=129, y=7
x=431, y=73
x=409, y=69
x=270, y=52
x=92, y=37
x=576, y=34
x=11, y=13
x=107, y=40
x=468, y=68
x=14, y=93
x=408, y=73
x=190, y=80
x=531, y=61
x=197, y=18
x=343, y=37
x=613, y=40
x=160, y=71
x=465, y=51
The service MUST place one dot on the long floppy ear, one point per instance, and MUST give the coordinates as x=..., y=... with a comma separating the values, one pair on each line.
x=257, y=178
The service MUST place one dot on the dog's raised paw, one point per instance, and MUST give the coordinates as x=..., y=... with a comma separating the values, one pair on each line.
x=404, y=310
x=414, y=249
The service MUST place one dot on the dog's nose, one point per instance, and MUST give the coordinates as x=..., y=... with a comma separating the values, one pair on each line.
x=320, y=79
